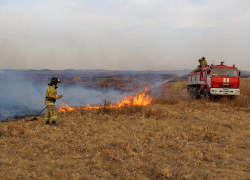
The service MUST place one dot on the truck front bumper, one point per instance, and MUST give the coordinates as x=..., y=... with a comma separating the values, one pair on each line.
x=224, y=91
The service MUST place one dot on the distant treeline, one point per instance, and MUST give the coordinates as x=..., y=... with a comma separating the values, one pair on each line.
x=93, y=71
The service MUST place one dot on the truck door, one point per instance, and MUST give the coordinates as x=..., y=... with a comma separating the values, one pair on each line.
x=209, y=74
x=203, y=79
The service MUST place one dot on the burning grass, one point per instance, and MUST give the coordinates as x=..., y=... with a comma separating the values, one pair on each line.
x=175, y=138
x=141, y=99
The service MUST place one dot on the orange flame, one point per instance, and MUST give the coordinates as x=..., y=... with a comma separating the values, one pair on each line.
x=141, y=99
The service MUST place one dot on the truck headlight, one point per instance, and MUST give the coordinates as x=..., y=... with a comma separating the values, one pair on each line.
x=213, y=90
x=237, y=91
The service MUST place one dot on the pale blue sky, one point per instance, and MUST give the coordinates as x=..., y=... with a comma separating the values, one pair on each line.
x=123, y=34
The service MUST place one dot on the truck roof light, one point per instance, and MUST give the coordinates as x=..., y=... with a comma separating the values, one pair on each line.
x=211, y=64
x=233, y=65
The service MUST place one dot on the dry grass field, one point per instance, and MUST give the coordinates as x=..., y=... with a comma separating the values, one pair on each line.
x=173, y=138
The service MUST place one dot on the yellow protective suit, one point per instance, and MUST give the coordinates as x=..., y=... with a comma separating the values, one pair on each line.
x=51, y=96
x=203, y=63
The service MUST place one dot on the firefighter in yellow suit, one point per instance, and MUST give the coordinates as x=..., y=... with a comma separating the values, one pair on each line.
x=51, y=96
x=203, y=62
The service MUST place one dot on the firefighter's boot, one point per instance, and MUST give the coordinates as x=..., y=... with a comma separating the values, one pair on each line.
x=54, y=123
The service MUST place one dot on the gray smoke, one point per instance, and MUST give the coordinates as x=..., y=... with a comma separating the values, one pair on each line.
x=18, y=94
x=80, y=96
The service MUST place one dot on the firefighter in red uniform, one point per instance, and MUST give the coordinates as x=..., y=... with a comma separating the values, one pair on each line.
x=51, y=96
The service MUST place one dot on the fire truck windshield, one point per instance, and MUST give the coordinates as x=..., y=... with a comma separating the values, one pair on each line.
x=224, y=72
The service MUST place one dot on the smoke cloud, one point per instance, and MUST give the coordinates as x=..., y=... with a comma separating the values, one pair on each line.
x=18, y=94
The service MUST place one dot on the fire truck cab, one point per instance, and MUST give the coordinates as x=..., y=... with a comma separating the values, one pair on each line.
x=214, y=80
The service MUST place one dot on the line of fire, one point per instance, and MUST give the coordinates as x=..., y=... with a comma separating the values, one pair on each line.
x=141, y=99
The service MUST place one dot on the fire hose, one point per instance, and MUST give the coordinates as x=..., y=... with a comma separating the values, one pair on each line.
x=34, y=118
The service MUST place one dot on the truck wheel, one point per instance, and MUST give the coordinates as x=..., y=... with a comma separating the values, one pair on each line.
x=191, y=93
x=196, y=95
x=205, y=93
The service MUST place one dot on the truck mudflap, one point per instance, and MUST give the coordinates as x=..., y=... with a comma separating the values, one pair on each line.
x=224, y=91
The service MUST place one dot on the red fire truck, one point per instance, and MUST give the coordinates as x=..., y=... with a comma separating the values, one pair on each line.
x=214, y=80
